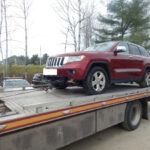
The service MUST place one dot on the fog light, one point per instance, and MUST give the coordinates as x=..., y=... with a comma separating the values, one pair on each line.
x=72, y=72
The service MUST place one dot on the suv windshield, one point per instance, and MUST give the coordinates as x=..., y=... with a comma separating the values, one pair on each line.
x=101, y=47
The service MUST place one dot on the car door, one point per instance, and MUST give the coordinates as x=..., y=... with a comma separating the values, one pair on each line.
x=136, y=61
x=121, y=68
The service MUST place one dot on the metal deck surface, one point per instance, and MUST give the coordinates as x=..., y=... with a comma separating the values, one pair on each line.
x=27, y=103
x=36, y=97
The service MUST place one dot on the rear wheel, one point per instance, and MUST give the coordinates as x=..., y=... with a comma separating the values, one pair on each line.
x=146, y=81
x=133, y=115
x=96, y=81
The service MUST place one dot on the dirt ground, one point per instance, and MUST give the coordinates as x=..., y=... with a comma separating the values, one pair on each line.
x=116, y=138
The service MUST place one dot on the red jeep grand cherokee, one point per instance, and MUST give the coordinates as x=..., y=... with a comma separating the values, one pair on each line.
x=99, y=66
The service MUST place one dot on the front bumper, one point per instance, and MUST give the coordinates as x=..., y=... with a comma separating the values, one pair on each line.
x=75, y=70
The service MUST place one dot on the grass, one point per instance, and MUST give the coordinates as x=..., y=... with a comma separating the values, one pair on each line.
x=19, y=71
x=0, y=69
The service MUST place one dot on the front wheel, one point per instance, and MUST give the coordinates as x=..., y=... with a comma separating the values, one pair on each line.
x=146, y=80
x=96, y=81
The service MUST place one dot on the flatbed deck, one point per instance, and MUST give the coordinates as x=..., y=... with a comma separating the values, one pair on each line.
x=36, y=102
x=63, y=115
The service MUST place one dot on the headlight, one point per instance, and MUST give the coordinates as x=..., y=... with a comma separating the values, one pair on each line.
x=73, y=58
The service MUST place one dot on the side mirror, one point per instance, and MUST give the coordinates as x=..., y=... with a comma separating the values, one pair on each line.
x=120, y=49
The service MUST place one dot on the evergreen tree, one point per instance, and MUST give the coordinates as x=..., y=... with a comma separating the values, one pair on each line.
x=126, y=20
x=35, y=60
x=44, y=58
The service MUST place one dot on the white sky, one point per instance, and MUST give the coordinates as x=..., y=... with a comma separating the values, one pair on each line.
x=44, y=30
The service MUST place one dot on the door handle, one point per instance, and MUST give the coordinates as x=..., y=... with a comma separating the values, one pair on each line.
x=130, y=56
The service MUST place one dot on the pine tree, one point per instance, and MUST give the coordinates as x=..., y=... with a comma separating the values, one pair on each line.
x=125, y=20
x=139, y=32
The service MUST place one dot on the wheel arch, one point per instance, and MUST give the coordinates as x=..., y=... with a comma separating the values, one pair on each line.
x=144, y=103
x=102, y=64
x=132, y=119
x=146, y=68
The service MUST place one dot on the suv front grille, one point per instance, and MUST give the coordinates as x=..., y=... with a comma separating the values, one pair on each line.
x=55, y=62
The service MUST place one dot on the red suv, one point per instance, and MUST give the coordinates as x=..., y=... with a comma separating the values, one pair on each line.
x=99, y=66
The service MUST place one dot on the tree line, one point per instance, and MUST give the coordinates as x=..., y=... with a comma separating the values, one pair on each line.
x=20, y=60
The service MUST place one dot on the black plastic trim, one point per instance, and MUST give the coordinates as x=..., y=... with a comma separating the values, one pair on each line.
x=99, y=63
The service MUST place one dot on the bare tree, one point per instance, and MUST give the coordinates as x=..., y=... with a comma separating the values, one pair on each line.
x=73, y=13
x=4, y=17
x=24, y=7
x=79, y=18
x=1, y=26
x=66, y=38
x=5, y=6
x=88, y=29
x=40, y=56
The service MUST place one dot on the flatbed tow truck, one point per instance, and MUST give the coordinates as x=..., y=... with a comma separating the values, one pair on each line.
x=39, y=120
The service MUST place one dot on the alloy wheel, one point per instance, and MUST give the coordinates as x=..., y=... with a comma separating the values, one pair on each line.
x=148, y=79
x=98, y=81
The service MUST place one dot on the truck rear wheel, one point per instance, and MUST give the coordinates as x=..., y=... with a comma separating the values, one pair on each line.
x=146, y=81
x=96, y=81
x=133, y=115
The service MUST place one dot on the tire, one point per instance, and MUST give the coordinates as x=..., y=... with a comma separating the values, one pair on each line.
x=61, y=87
x=133, y=115
x=95, y=86
x=113, y=84
x=146, y=81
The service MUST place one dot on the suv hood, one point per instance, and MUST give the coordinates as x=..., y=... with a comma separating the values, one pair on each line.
x=86, y=53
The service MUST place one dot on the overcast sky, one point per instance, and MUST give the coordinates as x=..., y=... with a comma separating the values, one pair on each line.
x=44, y=29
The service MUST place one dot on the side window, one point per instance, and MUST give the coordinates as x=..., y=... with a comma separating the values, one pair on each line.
x=144, y=52
x=134, y=50
x=126, y=46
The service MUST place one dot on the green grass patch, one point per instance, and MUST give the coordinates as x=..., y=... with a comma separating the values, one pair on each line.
x=1, y=69
x=19, y=71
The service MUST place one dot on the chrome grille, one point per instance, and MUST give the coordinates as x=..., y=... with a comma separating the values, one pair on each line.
x=55, y=62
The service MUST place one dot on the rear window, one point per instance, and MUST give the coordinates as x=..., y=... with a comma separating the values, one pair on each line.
x=144, y=52
x=134, y=50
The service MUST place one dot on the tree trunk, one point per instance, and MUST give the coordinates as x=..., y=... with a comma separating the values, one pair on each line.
x=26, y=42
x=2, y=60
x=66, y=39
x=40, y=56
x=79, y=32
x=6, y=34
x=26, y=51
x=1, y=26
x=75, y=43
